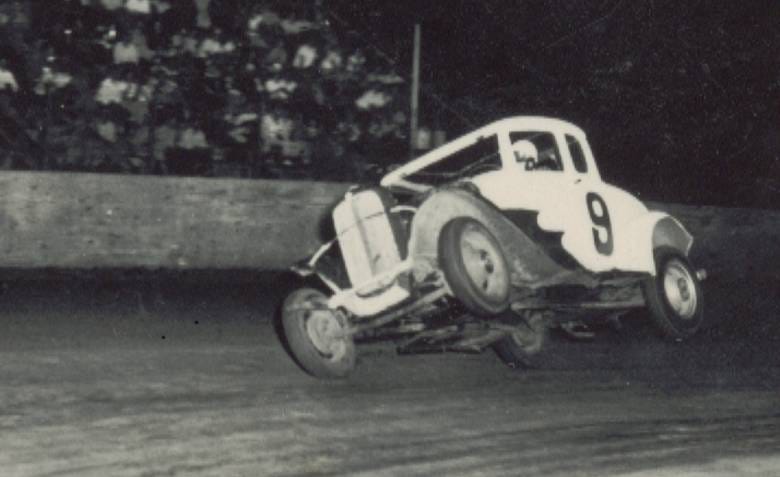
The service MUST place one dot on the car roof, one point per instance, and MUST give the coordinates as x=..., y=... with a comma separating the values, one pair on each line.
x=514, y=123
x=532, y=122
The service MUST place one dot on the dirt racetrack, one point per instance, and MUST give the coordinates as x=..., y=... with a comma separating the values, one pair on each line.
x=102, y=379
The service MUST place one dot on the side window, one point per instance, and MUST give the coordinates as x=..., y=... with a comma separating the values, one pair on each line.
x=537, y=149
x=577, y=155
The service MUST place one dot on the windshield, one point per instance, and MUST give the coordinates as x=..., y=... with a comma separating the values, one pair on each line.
x=481, y=156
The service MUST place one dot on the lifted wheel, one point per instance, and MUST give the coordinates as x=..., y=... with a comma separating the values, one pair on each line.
x=674, y=295
x=474, y=266
x=315, y=335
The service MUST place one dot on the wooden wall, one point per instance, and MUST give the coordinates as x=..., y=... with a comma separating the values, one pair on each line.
x=76, y=220
x=61, y=220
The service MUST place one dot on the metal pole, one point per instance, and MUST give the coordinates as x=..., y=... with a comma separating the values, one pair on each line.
x=415, y=91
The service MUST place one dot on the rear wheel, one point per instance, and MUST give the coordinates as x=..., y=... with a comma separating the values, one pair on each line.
x=316, y=335
x=674, y=295
x=474, y=266
x=524, y=347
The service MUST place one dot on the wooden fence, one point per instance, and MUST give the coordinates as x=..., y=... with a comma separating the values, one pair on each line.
x=76, y=220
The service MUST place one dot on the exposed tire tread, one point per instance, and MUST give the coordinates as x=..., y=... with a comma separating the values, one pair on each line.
x=514, y=356
x=508, y=351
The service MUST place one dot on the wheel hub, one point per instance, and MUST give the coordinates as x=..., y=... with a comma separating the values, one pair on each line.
x=325, y=333
x=680, y=289
x=483, y=263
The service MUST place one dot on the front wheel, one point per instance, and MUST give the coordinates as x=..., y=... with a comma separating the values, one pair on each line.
x=316, y=335
x=674, y=295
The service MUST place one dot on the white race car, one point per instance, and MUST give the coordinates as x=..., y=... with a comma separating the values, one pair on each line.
x=489, y=240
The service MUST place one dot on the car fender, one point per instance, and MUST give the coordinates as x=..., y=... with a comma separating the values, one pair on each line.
x=650, y=231
x=554, y=203
x=530, y=265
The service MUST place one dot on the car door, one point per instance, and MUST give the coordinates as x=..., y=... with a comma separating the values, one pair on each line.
x=520, y=185
x=537, y=198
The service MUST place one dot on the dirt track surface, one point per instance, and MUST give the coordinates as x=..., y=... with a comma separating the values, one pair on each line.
x=107, y=386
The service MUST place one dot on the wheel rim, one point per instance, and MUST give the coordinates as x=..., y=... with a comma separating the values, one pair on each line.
x=680, y=289
x=323, y=327
x=483, y=263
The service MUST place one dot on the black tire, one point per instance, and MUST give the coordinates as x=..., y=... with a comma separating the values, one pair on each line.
x=312, y=347
x=674, y=295
x=527, y=347
x=474, y=266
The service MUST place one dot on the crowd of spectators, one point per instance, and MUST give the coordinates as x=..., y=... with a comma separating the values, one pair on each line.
x=266, y=89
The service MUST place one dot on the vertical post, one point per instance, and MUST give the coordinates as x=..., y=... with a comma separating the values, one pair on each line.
x=415, y=91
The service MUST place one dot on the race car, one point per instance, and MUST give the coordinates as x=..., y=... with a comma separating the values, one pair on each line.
x=490, y=240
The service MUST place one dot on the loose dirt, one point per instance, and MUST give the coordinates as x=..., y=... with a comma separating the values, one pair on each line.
x=116, y=380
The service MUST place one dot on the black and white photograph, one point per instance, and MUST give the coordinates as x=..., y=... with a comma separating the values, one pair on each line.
x=389, y=238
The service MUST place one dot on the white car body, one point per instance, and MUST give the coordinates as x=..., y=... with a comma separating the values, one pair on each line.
x=559, y=197
x=490, y=240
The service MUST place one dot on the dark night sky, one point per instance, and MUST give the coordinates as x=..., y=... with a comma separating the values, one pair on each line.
x=680, y=98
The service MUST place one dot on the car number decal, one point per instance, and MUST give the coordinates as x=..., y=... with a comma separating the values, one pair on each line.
x=602, y=225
